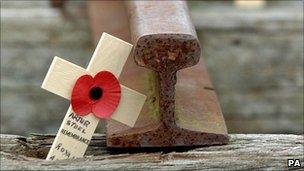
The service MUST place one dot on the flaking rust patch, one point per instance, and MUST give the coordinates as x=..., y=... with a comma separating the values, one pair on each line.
x=172, y=56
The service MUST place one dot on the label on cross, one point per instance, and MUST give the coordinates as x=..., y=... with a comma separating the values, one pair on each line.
x=76, y=131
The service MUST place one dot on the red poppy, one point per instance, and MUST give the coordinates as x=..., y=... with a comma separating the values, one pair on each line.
x=99, y=95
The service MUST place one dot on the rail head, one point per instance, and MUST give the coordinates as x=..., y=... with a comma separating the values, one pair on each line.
x=164, y=36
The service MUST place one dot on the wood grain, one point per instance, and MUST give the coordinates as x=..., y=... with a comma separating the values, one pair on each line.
x=244, y=152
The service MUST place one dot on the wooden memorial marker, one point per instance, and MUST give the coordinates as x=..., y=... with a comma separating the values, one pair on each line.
x=76, y=131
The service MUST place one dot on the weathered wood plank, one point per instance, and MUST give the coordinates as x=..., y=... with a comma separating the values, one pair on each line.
x=244, y=152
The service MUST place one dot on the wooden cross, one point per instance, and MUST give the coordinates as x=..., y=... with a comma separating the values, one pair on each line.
x=76, y=131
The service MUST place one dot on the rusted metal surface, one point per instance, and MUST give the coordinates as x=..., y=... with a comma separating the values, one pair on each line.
x=180, y=111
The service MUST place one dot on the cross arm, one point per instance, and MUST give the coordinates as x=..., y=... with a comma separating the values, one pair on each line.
x=62, y=76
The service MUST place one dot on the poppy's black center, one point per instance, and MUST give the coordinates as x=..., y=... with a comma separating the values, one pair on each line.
x=96, y=93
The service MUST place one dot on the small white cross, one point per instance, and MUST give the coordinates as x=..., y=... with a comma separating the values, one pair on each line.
x=76, y=131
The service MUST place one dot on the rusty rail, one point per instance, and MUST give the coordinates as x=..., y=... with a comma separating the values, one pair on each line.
x=165, y=42
x=165, y=38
